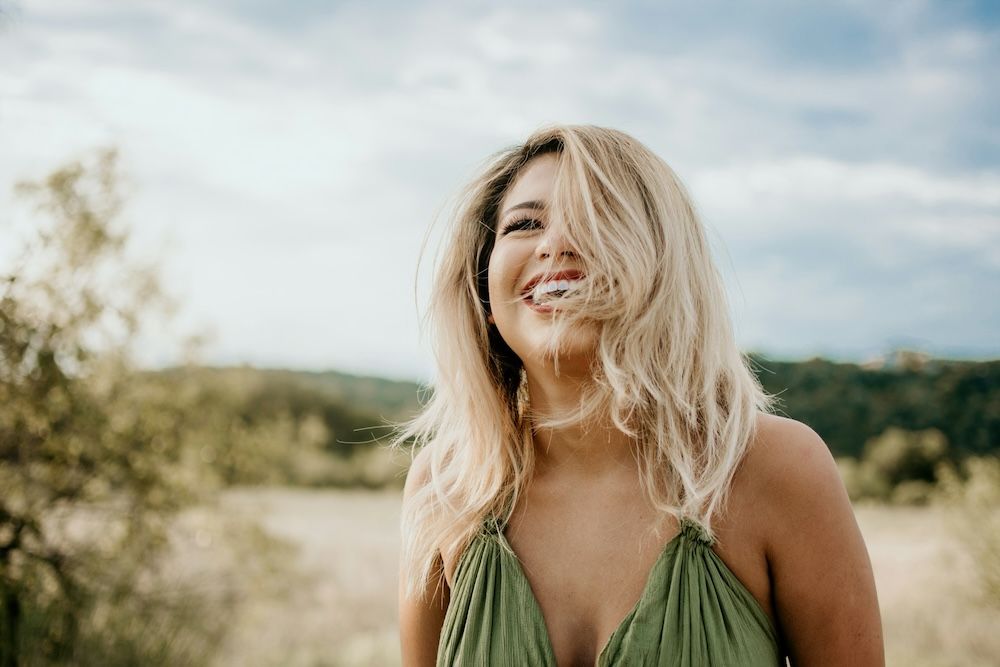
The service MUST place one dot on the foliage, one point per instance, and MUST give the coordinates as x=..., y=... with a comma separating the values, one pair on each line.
x=848, y=403
x=389, y=399
x=264, y=427
x=334, y=421
x=897, y=465
x=95, y=459
x=971, y=495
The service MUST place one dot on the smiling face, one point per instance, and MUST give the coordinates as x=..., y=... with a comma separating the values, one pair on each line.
x=527, y=244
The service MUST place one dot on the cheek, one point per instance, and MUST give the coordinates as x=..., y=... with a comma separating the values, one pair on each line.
x=505, y=267
x=497, y=278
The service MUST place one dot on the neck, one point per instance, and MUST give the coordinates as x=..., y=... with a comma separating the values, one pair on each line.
x=589, y=450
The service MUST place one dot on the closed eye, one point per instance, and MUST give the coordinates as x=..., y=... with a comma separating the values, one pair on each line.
x=520, y=223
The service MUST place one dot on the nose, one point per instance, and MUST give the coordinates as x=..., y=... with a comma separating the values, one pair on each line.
x=554, y=240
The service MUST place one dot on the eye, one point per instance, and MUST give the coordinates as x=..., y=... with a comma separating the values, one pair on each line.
x=519, y=223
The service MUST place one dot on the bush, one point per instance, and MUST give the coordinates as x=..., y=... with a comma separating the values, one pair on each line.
x=899, y=456
x=862, y=480
x=897, y=466
x=971, y=496
x=912, y=492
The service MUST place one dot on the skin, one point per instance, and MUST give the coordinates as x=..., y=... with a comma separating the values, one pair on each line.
x=588, y=452
x=788, y=533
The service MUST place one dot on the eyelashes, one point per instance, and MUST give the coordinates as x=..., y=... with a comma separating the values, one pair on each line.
x=519, y=223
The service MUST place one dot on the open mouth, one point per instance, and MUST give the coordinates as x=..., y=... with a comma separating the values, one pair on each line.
x=550, y=290
x=545, y=296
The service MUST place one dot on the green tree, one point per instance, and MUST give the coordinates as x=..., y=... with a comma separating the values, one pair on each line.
x=92, y=455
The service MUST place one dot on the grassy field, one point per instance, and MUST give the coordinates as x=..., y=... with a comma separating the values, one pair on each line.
x=332, y=601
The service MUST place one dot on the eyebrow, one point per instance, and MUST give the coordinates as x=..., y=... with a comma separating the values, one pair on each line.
x=534, y=203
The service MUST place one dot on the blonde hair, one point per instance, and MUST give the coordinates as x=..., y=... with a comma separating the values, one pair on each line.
x=667, y=371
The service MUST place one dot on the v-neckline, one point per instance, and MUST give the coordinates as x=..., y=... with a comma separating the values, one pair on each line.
x=537, y=607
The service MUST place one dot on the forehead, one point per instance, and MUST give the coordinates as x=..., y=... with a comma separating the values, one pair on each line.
x=533, y=183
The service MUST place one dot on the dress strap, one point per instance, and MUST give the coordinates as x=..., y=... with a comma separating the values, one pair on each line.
x=495, y=523
x=694, y=530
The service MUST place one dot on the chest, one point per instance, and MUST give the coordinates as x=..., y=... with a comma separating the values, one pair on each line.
x=587, y=563
x=587, y=556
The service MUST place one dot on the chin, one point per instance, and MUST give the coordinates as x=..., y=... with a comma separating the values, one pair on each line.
x=573, y=355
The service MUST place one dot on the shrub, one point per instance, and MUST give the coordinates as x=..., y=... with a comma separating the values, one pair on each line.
x=900, y=456
x=897, y=466
x=971, y=495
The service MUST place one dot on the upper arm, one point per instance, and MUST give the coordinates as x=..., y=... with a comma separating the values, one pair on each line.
x=824, y=588
x=421, y=618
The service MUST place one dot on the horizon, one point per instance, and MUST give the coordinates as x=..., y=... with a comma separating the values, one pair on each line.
x=886, y=361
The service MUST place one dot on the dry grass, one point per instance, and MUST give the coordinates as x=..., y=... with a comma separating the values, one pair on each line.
x=338, y=606
x=931, y=614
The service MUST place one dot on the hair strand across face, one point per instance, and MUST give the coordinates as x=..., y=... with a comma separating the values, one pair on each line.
x=667, y=370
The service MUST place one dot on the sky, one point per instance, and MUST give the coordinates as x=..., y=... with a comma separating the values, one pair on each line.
x=287, y=161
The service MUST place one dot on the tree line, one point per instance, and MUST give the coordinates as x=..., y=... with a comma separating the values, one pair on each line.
x=98, y=456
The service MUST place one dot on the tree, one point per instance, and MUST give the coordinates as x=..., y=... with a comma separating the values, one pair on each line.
x=92, y=454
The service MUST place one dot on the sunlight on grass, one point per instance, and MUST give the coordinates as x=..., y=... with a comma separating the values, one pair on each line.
x=341, y=608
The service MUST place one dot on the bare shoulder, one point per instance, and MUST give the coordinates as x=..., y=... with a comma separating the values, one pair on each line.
x=778, y=438
x=786, y=465
x=418, y=475
x=420, y=618
x=796, y=485
x=821, y=575
x=789, y=457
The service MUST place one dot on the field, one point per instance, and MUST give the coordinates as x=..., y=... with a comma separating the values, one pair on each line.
x=332, y=601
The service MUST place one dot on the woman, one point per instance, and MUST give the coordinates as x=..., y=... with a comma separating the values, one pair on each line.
x=600, y=480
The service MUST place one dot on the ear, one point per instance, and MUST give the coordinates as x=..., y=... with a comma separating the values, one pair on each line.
x=489, y=318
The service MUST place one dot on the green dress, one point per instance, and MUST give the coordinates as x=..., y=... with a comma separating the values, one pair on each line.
x=692, y=612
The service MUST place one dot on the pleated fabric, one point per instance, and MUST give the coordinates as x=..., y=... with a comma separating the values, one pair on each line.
x=693, y=612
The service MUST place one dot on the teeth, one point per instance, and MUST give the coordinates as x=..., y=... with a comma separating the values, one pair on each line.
x=541, y=289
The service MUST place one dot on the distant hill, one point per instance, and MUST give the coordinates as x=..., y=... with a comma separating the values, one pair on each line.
x=393, y=399
x=846, y=403
x=849, y=403
x=356, y=410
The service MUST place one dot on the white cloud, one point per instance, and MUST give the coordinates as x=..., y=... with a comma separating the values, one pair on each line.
x=817, y=179
x=286, y=164
x=891, y=206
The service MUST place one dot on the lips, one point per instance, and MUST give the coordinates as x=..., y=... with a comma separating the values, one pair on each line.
x=571, y=274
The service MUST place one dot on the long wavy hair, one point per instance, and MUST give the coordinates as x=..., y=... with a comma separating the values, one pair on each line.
x=666, y=369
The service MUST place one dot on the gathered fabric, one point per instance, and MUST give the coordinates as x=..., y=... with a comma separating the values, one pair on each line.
x=693, y=612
